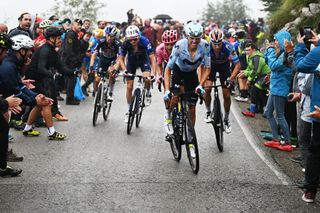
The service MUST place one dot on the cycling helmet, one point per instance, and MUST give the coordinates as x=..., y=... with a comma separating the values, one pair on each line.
x=132, y=31
x=5, y=41
x=22, y=42
x=98, y=32
x=52, y=32
x=111, y=30
x=169, y=36
x=45, y=24
x=216, y=36
x=194, y=29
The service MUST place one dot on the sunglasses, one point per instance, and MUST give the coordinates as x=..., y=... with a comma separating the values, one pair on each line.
x=133, y=39
x=194, y=38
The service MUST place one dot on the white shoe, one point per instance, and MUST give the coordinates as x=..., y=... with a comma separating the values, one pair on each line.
x=126, y=117
x=227, y=126
x=148, y=98
x=241, y=99
x=192, y=151
x=208, y=118
x=168, y=126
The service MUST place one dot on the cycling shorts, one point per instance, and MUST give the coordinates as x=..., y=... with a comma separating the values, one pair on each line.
x=142, y=62
x=223, y=70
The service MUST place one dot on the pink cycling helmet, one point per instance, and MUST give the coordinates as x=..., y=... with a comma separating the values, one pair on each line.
x=169, y=36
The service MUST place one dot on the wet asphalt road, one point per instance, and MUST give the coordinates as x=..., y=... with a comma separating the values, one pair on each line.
x=102, y=169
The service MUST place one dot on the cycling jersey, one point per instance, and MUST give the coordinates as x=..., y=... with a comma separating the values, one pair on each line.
x=162, y=54
x=181, y=56
x=107, y=51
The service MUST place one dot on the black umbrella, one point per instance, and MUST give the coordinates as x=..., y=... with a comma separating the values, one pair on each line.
x=162, y=17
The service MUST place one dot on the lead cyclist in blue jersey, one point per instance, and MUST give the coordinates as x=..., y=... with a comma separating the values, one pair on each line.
x=139, y=53
x=187, y=55
x=222, y=53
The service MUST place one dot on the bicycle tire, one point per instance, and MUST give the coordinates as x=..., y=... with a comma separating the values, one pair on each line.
x=96, y=107
x=133, y=110
x=191, y=142
x=107, y=105
x=141, y=107
x=218, y=124
x=175, y=143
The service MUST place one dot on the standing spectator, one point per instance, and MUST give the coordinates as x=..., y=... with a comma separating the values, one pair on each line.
x=130, y=16
x=72, y=58
x=149, y=32
x=102, y=24
x=280, y=81
x=3, y=28
x=24, y=26
x=86, y=25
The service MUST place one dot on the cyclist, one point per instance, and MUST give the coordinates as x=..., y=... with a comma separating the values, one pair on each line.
x=222, y=52
x=187, y=55
x=139, y=53
x=107, y=49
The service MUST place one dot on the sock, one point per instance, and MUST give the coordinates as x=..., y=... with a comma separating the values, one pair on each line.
x=27, y=127
x=226, y=116
x=253, y=108
x=51, y=130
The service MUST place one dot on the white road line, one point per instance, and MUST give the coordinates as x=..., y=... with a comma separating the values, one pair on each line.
x=251, y=140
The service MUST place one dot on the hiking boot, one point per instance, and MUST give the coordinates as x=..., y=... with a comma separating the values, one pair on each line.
x=272, y=143
x=57, y=136
x=12, y=156
x=10, y=172
x=208, y=118
x=309, y=196
x=248, y=114
x=60, y=117
x=285, y=147
x=31, y=132
x=168, y=126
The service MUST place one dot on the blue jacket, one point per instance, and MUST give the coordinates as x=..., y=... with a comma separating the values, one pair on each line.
x=309, y=62
x=11, y=83
x=281, y=76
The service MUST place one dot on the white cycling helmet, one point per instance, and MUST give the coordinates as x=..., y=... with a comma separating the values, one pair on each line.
x=21, y=42
x=45, y=24
x=194, y=29
x=132, y=31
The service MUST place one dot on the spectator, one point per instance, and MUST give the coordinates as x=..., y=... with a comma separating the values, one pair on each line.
x=149, y=32
x=3, y=28
x=86, y=25
x=24, y=26
x=102, y=24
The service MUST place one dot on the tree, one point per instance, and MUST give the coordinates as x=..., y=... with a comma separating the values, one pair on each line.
x=271, y=5
x=225, y=11
x=77, y=9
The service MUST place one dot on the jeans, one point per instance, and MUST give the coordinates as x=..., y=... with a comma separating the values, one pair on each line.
x=304, y=139
x=312, y=173
x=277, y=103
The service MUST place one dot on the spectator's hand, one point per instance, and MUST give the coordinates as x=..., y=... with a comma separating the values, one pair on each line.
x=241, y=75
x=28, y=83
x=13, y=101
x=315, y=113
x=314, y=39
x=288, y=46
x=15, y=110
x=294, y=97
x=300, y=39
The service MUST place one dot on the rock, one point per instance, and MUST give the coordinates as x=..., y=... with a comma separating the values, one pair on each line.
x=306, y=12
x=314, y=8
x=297, y=21
x=294, y=12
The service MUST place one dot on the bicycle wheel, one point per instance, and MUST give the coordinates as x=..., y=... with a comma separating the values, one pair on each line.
x=191, y=145
x=141, y=106
x=97, y=107
x=107, y=105
x=218, y=123
x=176, y=138
x=134, y=107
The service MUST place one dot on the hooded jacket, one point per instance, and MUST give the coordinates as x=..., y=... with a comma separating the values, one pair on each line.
x=257, y=66
x=281, y=75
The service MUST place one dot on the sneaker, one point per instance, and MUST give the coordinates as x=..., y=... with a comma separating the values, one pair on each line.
x=57, y=136
x=227, y=125
x=148, y=98
x=192, y=151
x=126, y=117
x=84, y=91
x=60, y=117
x=31, y=132
x=297, y=159
x=285, y=147
x=208, y=118
x=12, y=156
x=248, y=114
x=272, y=143
x=309, y=196
x=10, y=172
x=241, y=99
x=168, y=126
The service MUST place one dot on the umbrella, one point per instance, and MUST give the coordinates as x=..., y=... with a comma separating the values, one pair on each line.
x=162, y=17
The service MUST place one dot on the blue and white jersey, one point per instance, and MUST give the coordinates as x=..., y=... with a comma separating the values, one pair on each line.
x=226, y=54
x=181, y=56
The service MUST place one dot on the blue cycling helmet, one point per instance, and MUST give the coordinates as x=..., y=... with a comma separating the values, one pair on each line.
x=111, y=30
x=194, y=29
